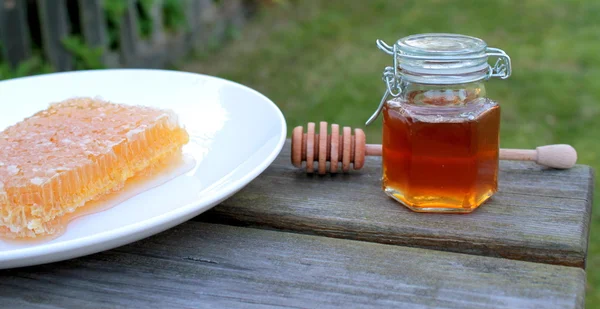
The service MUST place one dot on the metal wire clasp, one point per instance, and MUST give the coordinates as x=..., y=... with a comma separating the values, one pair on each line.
x=502, y=68
x=391, y=78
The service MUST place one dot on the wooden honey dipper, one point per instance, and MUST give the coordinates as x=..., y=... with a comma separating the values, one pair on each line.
x=343, y=147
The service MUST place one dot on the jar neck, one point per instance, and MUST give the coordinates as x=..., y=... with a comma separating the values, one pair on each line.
x=450, y=95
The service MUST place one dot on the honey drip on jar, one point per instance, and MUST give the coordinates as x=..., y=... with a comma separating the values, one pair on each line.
x=440, y=155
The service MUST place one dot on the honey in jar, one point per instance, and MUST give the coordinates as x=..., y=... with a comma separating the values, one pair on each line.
x=440, y=145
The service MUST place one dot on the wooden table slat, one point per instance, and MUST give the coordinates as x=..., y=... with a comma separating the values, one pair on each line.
x=204, y=265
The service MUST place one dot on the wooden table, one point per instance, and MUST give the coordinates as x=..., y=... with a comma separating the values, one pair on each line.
x=293, y=240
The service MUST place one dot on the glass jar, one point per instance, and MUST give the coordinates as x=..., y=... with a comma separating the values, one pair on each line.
x=440, y=142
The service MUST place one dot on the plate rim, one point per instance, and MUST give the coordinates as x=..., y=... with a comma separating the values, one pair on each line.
x=154, y=225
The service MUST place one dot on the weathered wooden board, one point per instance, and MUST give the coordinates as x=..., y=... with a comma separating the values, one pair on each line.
x=538, y=215
x=93, y=25
x=55, y=27
x=162, y=48
x=203, y=265
x=129, y=36
x=15, y=40
x=210, y=24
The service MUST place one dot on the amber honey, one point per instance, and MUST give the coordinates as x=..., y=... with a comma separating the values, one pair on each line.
x=438, y=157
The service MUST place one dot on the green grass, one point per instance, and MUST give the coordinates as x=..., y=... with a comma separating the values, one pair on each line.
x=317, y=60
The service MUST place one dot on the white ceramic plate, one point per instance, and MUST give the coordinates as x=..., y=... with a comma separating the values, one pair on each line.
x=235, y=133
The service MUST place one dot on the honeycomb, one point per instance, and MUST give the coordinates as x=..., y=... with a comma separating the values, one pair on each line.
x=76, y=151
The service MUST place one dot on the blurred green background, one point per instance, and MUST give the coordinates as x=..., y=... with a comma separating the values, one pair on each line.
x=317, y=60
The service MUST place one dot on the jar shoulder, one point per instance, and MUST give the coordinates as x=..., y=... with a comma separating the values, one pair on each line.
x=440, y=113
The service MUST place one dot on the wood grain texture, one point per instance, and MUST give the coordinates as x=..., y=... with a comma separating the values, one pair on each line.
x=199, y=265
x=129, y=36
x=55, y=26
x=14, y=32
x=540, y=215
x=93, y=25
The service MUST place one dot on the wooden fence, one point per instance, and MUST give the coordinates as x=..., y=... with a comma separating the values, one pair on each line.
x=49, y=26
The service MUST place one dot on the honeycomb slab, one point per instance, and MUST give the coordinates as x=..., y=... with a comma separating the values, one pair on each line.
x=76, y=151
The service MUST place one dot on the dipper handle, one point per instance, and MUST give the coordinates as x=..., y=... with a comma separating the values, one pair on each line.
x=341, y=147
